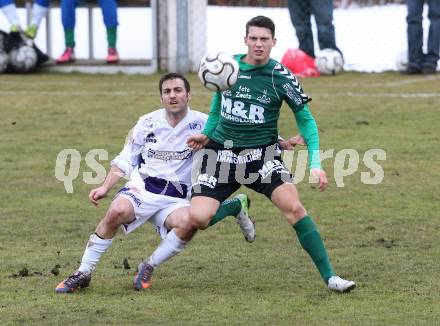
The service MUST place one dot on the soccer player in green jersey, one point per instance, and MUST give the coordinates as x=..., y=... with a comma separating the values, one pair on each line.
x=241, y=134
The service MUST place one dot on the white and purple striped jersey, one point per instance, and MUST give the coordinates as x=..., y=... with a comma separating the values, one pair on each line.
x=158, y=154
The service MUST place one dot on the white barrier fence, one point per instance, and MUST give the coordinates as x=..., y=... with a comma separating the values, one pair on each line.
x=371, y=38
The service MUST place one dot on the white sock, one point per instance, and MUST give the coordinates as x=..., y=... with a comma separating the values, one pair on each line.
x=38, y=13
x=10, y=12
x=94, y=250
x=169, y=247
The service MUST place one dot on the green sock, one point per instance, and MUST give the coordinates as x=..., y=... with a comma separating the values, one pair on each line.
x=310, y=240
x=111, y=37
x=230, y=207
x=69, y=37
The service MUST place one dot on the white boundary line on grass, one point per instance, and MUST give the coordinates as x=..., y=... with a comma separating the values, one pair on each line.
x=410, y=81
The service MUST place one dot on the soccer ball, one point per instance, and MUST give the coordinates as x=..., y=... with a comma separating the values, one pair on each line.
x=402, y=60
x=23, y=59
x=329, y=62
x=218, y=71
x=4, y=60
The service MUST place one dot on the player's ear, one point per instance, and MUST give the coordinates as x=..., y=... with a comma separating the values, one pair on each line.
x=274, y=41
x=189, y=96
x=245, y=40
x=161, y=99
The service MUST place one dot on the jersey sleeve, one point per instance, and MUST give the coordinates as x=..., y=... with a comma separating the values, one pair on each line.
x=128, y=158
x=309, y=130
x=289, y=88
x=214, y=114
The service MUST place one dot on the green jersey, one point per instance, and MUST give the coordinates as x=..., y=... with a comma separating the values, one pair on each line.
x=248, y=112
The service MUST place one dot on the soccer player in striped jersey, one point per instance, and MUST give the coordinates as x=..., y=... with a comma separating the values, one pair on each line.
x=159, y=164
x=242, y=134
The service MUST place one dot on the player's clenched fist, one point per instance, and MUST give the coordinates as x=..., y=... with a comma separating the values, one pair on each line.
x=96, y=194
x=197, y=141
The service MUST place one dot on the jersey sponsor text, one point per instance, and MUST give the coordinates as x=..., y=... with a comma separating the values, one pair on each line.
x=169, y=155
x=271, y=166
x=237, y=111
x=228, y=156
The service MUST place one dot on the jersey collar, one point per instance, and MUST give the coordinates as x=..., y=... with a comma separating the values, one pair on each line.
x=247, y=66
x=164, y=117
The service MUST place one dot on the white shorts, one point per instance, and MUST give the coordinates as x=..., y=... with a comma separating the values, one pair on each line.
x=149, y=207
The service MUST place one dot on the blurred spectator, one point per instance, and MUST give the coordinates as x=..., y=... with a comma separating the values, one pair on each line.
x=300, y=15
x=68, y=16
x=417, y=61
x=39, y=11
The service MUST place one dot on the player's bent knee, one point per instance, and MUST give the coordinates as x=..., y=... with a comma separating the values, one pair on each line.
x=199, y=219
x=184, y=220
x=198, y=223
x=181, y=221
x=295, y=212
x=201, y=211
x=116, y=216
x=298, y=210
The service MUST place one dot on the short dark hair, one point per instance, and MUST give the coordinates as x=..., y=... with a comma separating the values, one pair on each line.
x=261, y=21
x=174, y=75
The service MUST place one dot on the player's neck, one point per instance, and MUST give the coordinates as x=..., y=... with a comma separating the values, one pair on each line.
x=247, y=59
x=174, y=118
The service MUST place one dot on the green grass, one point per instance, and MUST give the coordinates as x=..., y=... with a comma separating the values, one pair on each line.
x=384, y=236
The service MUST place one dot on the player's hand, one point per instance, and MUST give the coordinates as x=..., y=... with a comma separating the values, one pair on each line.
x=96, y=194
x=197, y=141
x=320, y=177
x=289, y=144
x=297, y=140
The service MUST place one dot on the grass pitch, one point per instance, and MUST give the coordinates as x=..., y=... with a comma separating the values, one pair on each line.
x=383, y=236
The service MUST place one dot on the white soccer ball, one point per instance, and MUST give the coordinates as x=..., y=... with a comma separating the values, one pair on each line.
x=23, y=59
x=4, y=60
x=329, y=62
x=402, y=60
x=218, y=71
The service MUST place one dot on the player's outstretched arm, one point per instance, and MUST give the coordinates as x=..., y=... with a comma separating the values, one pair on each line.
x=112, y=178
x=197, y=141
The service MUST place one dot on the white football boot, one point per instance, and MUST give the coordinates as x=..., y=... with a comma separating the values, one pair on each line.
x=247, y=226
x=338, y=284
